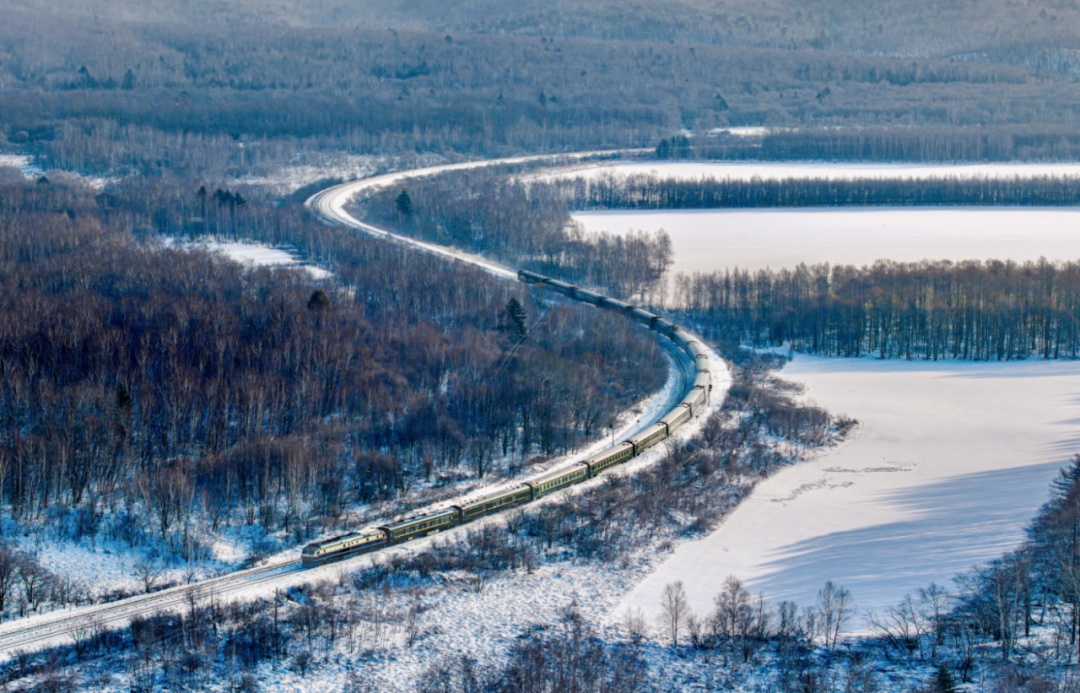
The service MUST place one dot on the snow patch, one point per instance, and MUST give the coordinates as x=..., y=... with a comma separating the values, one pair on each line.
x=23, y=162
x=255, y=255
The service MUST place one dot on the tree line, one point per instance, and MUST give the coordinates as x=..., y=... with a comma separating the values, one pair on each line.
x=970, y=310
x=1035, y=141
x=650, y=192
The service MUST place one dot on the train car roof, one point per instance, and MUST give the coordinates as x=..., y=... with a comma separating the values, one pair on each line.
x=420, y=518
x=548, y=476
x=492, y=496
x=646, y=433
x=617, y=303
x=609, y=451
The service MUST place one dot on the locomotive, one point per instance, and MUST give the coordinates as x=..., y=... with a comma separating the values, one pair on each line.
x=357, y=543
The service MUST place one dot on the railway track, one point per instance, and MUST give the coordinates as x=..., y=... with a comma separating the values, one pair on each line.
x=62, y=624
x=69, y=625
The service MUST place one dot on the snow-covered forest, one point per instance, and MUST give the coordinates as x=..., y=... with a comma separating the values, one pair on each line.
x=169, y=413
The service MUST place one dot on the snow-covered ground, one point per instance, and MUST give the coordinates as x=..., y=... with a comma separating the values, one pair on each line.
x=24, y=163
x=950, y=462
x=484, y=624
x=255, y=255
x=776, y=170
x=26, y=166
x=743, y=131
x=289, y=178
x=708, y=240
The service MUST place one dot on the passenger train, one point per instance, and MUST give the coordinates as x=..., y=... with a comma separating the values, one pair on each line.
x=349, y=545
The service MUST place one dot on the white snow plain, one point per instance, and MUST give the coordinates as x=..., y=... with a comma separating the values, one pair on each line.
x=710, y=240
x=950, y=462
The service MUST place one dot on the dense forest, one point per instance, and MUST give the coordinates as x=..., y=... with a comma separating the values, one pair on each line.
x=991, y=310
x=152, y=90
x=154, y=393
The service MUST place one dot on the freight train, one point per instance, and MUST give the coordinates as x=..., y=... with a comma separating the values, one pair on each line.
x=349, y=545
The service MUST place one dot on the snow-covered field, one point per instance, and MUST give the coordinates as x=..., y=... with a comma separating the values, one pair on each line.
x=950, y=462
x=708, y=240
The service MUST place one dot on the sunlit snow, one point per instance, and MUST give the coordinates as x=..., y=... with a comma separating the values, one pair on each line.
x=707, y=240
x=254, y=255
x=949, y=464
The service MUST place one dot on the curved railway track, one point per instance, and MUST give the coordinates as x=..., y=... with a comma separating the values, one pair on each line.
x=330, y=206
x=61, y=624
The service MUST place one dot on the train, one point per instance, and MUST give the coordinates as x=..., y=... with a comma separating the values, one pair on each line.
x=358, y=543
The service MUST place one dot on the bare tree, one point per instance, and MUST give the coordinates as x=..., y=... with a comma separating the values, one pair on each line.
x=674, y=610
x=934, y=602
x=148, y=571
x=634, y=624
x=834, y=607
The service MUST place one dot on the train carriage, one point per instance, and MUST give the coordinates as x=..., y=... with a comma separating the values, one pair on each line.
x=610, y=457
x=531, y=277
x=697, y=351
x=587, y=296
x=421, y=526
x=666, y=328
x=562, y=287
x=615, y=304
x=644, y=317
x=677, y=417
x=696, y=399
x=495, y=502
x=340, y=548
x=648, y=438
x=554, y=481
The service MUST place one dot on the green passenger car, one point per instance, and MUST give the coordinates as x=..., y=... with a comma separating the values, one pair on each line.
x=421, y=526
x=495, y=502
x=553, y=481
x=609, y=457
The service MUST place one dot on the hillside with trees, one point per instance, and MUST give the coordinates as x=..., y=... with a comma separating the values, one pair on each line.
x=225, y=89
x=159, y=402
x=155, y=395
